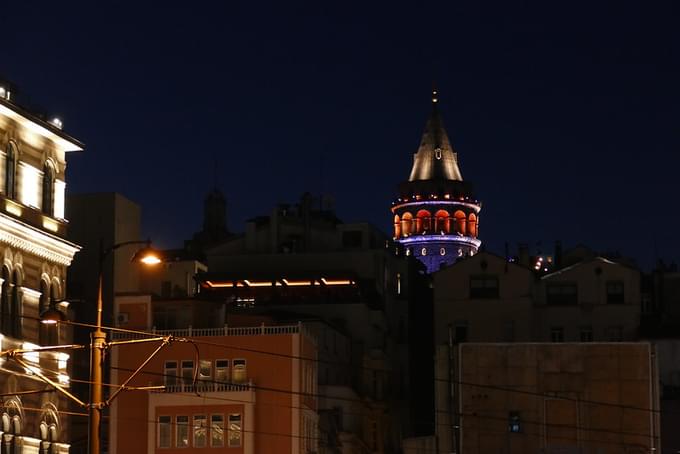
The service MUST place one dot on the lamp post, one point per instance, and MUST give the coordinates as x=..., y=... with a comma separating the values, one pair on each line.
x=98, y=343
x=146, y=256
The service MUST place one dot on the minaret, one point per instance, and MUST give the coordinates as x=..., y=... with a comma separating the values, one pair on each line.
x=436, y=216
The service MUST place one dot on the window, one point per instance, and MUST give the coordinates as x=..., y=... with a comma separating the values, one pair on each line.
x=217, y=431
x=442, y=251
x=234, y=433
x=48, y=189
x=182, y=434
x=222, y=371
x=239, y=372
x=557, y=334
x=164, y=431
x=508, y=331
x=484, y=287
x=423, y=251
x=586, y=334
x=187, y=373
x=10, y=171
x=615, y=292
x=398, y=283
x=205, y=370
x=514, y=422
x=561, y=294
x=170, y=373
x=438, y=153
x=460, y=332
x=615, y=333
x=5, y=299
x=200, y=431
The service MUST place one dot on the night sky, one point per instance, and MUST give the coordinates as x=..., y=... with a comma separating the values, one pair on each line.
x=565, y=116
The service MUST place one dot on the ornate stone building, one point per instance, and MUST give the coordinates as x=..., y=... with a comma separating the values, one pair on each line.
x=35, y=256
x=436, y=216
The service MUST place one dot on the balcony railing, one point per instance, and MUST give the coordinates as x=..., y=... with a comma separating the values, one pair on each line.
x=221, y=331
x=204, y=387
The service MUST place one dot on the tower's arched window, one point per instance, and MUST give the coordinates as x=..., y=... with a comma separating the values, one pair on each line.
x=48, y=189
x=15, y=305
x=5, y=300
x=472, y=225
x=459, y=216
x=407, y=224
x=442, y=221
x=397, y=226
x=11, y=170
x=423, y=221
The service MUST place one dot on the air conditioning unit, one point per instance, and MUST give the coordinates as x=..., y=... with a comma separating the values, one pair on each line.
x=123, y=318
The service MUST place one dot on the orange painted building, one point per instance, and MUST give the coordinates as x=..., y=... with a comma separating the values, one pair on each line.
x=237, y=390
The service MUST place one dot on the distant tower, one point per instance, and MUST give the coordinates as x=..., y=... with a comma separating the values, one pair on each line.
x=436, y=217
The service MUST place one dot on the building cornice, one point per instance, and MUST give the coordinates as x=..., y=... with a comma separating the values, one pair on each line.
x=441, y=202
x=419, y=239
x=31, y=240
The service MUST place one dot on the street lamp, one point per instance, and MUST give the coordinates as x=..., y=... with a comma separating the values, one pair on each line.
x=147, y=256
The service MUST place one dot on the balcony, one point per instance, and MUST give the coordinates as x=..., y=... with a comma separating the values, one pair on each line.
x=204, y=387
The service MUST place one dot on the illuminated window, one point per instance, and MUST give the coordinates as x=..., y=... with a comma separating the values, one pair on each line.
x=423, y=251
x=205, y=370
x=200, y=431
x=164, y=431
x=239, y=374
x=10, y=171
x=48, y=189
x=234, y=433
x=182, y=432
x=217, y=431
x=59, y=191
x=438, y=153
x=29, y=190
x=222, y=371
x=442, y=251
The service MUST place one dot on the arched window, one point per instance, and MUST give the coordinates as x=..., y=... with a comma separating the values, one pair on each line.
x=460, y=222
x=48, y=189
x=10, y=170
x=423, y=221
x=15, y=305
x=397, y=226
x=472, y=225
x=442, y=221
x=12, y=417
x=49, y=430
x=5, y=299
x=49, y=333
x=406, y=224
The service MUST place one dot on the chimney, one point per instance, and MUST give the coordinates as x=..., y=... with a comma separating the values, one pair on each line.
x=558, y=254
x=524, y=254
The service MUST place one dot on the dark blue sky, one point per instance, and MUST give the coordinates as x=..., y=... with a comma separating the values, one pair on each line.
x=565, y=115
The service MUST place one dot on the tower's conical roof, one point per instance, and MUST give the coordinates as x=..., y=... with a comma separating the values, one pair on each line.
x=436, y=159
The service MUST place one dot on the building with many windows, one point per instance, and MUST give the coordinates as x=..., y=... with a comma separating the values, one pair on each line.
x=214, y=389
x=35, y=258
